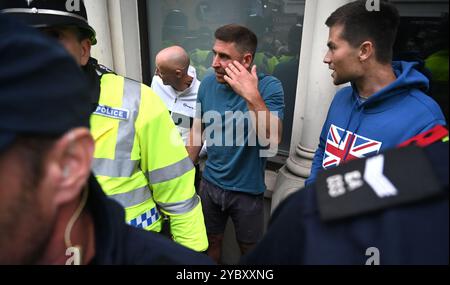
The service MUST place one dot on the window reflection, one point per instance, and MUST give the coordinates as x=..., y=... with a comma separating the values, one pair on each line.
x=425, y=40
x=191, y=24
x=423, y=37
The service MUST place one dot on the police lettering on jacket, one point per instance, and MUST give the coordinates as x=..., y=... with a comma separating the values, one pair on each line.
x=116, y=113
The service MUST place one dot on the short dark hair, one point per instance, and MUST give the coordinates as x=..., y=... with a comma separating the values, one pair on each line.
x=360, y=25
x=245, y=39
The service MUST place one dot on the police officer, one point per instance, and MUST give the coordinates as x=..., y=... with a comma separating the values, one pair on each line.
x=139, y=159
x=389, y=209
x=52, y=210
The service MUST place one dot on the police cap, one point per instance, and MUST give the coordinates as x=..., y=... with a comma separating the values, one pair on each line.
x=42, y=89
x=50, y=13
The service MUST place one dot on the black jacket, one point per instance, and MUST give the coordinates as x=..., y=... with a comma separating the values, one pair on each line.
x=410, y=227
x=118, y=243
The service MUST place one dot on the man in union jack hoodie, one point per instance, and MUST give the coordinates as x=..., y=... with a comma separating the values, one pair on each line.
x=385, y=104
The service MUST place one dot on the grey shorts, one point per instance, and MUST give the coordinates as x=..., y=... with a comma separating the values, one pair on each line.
x=246, y=212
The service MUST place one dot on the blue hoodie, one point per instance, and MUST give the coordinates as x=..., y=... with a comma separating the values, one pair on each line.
x=355, y=128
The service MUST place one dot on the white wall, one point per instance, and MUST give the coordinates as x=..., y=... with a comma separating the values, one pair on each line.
x=117, y=27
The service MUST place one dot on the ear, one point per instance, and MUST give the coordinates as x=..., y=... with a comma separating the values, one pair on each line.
x=69, y=164
x=247, y=60
x=366, y=51
x=179, y=73
x=85, y=51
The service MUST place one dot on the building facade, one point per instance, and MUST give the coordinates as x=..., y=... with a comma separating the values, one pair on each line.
x=292, y=43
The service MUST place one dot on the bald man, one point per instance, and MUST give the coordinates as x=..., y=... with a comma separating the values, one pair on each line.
x=176, y=82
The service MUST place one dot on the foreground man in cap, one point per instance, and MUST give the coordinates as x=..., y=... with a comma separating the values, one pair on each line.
x=139, y=160
x=52, y=210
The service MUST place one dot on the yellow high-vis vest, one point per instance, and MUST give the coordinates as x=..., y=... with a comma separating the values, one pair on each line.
x=141, y=162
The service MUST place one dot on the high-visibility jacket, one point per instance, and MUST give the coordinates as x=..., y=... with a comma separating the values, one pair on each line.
x=141, y=162
x=265, y=62
x=201, y=60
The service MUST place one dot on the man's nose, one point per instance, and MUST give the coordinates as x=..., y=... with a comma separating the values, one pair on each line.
x=215, y=62
x=326, y=59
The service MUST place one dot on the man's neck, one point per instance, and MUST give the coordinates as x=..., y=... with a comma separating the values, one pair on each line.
x=377, y=77
x=82, y=235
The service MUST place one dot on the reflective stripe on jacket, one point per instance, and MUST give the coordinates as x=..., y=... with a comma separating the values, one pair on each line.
x=141, y=162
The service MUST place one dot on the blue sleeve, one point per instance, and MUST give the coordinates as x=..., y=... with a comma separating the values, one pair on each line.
x=434, y=115
x=433, y=124
x=437, y=119
x=273, y=96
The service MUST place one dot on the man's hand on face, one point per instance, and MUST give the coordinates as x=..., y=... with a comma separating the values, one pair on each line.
x=243, y=82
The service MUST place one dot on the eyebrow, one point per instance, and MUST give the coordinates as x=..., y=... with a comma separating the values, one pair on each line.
x=221, y=53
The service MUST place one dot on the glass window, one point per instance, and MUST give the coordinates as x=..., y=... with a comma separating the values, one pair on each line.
x=423, y=37
x=192, y=23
